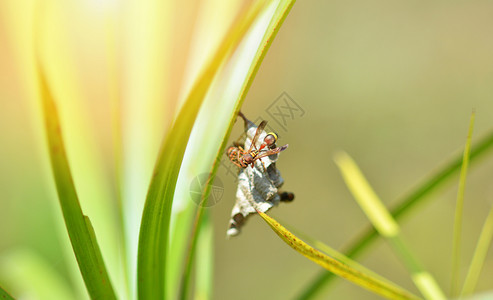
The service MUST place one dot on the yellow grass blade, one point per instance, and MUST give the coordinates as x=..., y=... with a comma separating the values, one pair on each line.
x=273, y=17
x=454, y=287
x=154, y=230
x=333, y=253
x=418, y=195
x=384, y=223
x=479, y=256
x=383, y=288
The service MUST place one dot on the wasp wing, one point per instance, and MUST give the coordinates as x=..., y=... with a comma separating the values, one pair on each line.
x=272, y=151
x=260, y=128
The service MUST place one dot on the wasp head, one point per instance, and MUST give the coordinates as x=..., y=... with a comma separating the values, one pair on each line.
x=270, y=139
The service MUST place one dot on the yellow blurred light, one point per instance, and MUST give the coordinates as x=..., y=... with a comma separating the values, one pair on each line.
x=104, y=5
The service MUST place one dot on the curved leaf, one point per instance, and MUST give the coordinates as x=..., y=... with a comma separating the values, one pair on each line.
x=154, y=230
x=479, y=256
x=280, y=14
x=80, y=231
x=415, y=197
x=367, y=281
x=458, y=212
x=386, y=226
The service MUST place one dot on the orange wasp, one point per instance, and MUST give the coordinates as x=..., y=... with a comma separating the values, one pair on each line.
x=243, y=158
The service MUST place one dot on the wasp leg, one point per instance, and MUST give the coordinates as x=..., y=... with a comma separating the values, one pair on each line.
x=239, y=155
x=237, y=164
x=263, y=166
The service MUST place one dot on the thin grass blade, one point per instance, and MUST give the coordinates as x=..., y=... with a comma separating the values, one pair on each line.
x=205, y=261
x=333, y=252
x=373, y=284
x=454, y=287
x=385, y=224
x=479, y=256
x=280, y=14
x=416, y=196
x=154, y=233
x=80, y=231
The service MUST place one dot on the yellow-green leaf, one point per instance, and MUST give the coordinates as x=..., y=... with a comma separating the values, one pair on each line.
x=383, y=288
x=81, y=234
x=479, y=256
x=419, y=194
x=458, y=211
x=386, y=226
x=154, y=230
x=275, y=21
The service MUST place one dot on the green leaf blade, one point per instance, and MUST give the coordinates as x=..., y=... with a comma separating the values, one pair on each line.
x=81, y=235
x=276, y=21
x=459, y=211
x=479, y=256
x=154, y=233
x=415, y=197
x=382, y=287
x=386, y=226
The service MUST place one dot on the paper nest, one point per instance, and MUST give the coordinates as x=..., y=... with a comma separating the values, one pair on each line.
x=256, y=186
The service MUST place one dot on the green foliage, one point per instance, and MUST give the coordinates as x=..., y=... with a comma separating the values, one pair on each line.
x=156, y=241
x=478, y=259
x=385, y=225
x=154, y=233
x=459, y=211
x=366, y=280
x=278, y=17
x=418, y=195
x=79, y=226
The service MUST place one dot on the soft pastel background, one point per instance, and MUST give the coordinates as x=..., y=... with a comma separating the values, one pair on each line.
x=392, y=83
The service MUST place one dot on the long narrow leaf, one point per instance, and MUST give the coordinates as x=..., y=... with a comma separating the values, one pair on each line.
x=454, y=287
x=332, y=252
x=278, y=18
x=385, y=224
x=154, y=231
x=4, y=295
x=479, y=256
x=383, y=288
x=205, y=260
x=413, y=198
x=80, y=231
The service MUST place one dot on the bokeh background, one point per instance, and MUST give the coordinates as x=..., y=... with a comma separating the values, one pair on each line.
x=392, y=83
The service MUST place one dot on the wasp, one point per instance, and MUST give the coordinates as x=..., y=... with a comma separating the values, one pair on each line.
x=243, y=158
x=258, y=187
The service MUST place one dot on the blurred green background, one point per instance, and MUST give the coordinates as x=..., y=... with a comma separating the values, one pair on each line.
x=392, y=83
